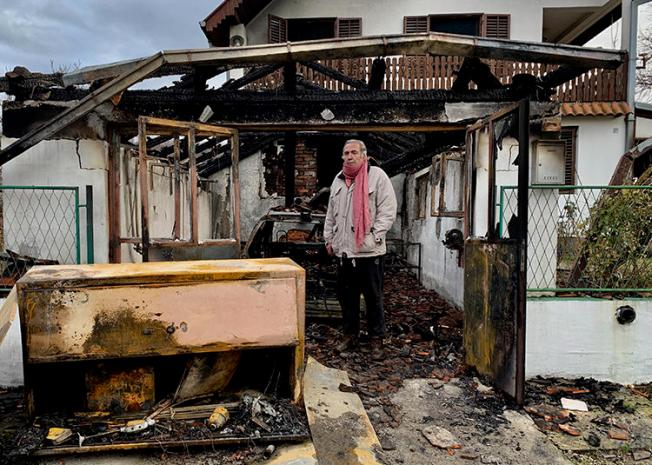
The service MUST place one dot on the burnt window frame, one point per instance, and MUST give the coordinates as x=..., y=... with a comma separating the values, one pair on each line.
x=439, y=167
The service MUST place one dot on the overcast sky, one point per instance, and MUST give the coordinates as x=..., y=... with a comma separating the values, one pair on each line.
x=88, y=32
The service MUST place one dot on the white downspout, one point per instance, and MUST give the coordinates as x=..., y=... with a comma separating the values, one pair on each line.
x=629, y=43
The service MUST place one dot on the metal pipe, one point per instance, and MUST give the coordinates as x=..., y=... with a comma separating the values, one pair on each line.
x=629, y=43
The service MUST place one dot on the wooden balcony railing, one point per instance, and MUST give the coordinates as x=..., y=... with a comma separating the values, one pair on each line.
x=428, y=72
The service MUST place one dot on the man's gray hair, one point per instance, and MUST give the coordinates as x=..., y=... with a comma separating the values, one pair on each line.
x=363, y=147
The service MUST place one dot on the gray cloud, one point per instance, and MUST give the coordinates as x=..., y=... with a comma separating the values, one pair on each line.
x=34, y=33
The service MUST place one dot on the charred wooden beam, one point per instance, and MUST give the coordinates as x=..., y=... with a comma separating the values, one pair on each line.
x=113, y=157
x=334, y=74
x=247, y=149
x=82, y=108
x=277, y=111
x=421, y=156
x=23, y=84
x=377, y=75
x=253, y=75
x=90, y=74
x=196, y=79
x=474, y=70
x=271, y=111
x=561, y=75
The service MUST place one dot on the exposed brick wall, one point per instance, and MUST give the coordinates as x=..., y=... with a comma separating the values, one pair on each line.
x=305, y=170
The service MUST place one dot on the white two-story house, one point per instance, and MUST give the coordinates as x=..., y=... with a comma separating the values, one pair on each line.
x=593, y=110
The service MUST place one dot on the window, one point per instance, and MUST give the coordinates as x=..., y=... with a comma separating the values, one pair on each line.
x=468, y=24
x=298, y=29
x=277, y=29
x=491, y=26
x=569, y=136
x=496, y=26
x=311, y=29
x=421, y=196
x=349, y=27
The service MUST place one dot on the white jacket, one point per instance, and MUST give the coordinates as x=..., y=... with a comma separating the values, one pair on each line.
x=338, y=228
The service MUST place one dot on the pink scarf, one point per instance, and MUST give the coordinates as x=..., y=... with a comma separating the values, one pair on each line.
x=361, y=218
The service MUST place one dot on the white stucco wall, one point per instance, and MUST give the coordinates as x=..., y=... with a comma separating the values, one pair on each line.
x=254, y=199
x=386, y=16
x=11, y=356
x=66, y=163
x=440, y=270
x=600, y=144
x=581, y=337
x=643, y=128
x=398, y=183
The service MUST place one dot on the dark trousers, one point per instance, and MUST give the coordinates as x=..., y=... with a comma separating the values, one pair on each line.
x=364, y=276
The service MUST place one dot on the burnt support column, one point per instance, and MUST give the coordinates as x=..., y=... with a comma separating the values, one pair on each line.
x=114, y=196
x=144, y=187
x=290, y=146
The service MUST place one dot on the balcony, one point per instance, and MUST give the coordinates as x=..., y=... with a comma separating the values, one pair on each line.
x=438, y=72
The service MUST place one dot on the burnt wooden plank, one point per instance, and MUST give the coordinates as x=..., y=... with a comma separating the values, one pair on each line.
x=177, y=189
x=253, y=75
x=115, y=255
x=194, y=201
x=144, y=189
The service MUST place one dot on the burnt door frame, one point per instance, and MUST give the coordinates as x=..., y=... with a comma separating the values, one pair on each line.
x=520, y=114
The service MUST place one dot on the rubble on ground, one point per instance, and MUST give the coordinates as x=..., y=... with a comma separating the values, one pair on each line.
x=253, y=419
x=615, y=428
x=421, y=394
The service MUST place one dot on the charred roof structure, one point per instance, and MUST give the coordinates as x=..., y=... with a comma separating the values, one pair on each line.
x=55, y=105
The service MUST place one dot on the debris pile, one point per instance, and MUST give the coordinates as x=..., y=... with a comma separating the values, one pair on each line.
x=588, y=416
x=254, y=417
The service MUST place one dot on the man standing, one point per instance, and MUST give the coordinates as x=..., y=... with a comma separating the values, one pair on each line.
x=361, y=209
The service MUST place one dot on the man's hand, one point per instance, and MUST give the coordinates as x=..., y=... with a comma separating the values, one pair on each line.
x=329, y=249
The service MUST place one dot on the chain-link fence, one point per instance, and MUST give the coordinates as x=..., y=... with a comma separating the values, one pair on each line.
x=40, y=226
x=585, y=239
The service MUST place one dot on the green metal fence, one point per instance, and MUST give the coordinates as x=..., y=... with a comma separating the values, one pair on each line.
x=585, y=239
x=41, y=226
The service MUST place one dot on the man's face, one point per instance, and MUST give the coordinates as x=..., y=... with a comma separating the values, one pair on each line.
x=352, y=155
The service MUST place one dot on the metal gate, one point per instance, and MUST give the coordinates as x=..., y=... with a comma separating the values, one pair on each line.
x=495, y=269
x=41, y=225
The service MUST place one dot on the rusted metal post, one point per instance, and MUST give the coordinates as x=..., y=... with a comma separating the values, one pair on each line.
x=235, y=183
x=523, y=201
x=491, y=191
x=177, y=189
x=114, y=196
x=194, y=201
x=144, y=194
